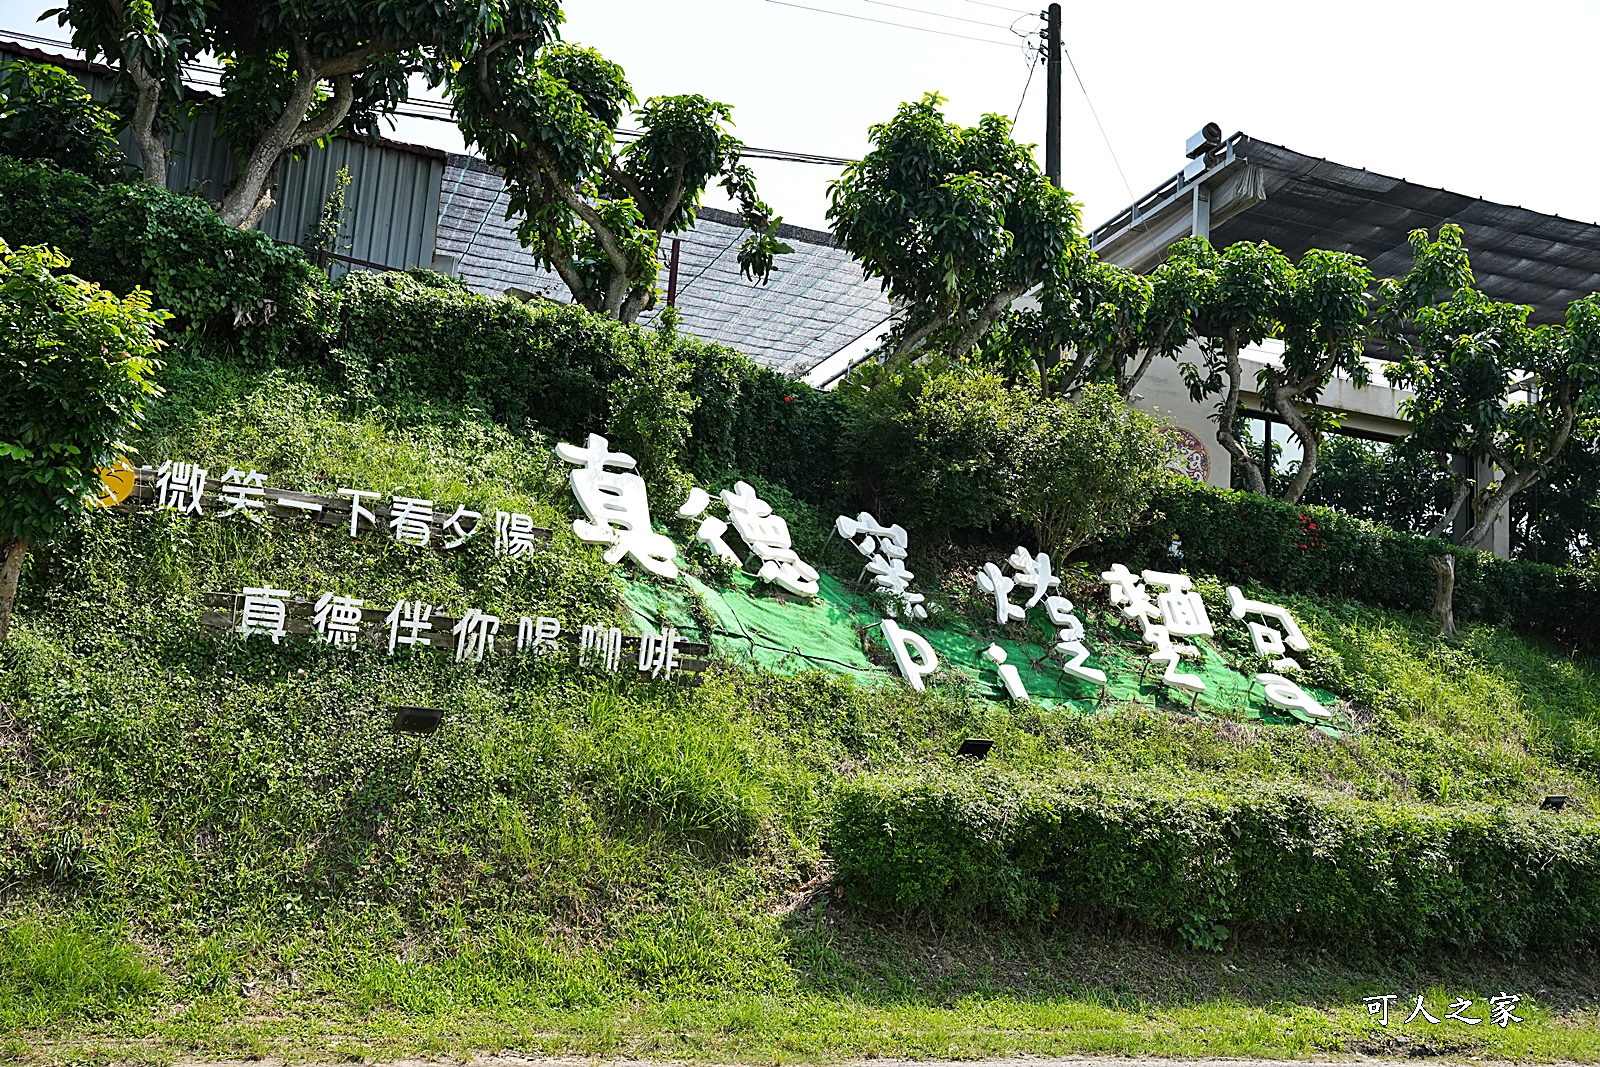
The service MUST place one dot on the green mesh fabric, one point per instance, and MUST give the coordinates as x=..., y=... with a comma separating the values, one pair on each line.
x=754, y=623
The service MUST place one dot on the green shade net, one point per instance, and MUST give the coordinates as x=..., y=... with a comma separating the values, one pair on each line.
x=747, y=620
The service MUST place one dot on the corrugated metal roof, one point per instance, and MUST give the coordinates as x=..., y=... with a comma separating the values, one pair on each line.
x=816, y=302
x=1518, y=255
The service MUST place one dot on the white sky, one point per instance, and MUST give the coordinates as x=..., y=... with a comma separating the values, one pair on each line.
x=1488, y=100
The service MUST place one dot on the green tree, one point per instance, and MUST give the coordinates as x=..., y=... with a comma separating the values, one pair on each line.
x=1385, y=483
x=1485, y=381
x=1115, y=321
x=1323, y=325
x=1249, y=292
x=547, y=114
x=1083, y=470
x=956, y=222
x=46, y=113
x=927, y=439
x=1439, y=267
x=77, y=365
x=1238, y=295
x=295, y=72
x=146, y=42
x=1557, y=521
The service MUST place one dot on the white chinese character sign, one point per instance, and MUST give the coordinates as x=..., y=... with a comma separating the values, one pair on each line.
x=617, y=506
x=763, y=532
x=1029, y=637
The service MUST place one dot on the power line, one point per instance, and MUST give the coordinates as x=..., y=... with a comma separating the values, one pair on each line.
x=1002, y=7
x=1103, y=135
x=441, y=110
x=885, y=22
x=937, y=15
x=1032, y=66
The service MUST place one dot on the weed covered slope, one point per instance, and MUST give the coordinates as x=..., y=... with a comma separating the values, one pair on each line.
x=233, y=828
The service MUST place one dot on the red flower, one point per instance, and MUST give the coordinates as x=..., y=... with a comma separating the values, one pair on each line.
x=787, y=399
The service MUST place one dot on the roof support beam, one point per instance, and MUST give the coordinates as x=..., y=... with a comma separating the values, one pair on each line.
x=1138, y=237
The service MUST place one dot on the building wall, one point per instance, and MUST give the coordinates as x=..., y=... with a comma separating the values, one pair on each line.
x=391, y=207
x=1370, y=410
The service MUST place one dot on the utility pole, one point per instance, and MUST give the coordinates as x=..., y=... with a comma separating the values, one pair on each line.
x=1052, y=109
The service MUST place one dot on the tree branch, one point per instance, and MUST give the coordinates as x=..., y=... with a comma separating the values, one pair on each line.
x=1310, y=444
x=333, y=113
x=1126, y=388
x=569, y=274
x=920, y=334
x=981, y=323
x=620, y=261
x=1463, y=490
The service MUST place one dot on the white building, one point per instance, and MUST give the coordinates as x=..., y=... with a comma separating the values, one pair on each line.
x=1242, y=189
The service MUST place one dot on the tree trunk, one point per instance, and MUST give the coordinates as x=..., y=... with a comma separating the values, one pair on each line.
x=1463, y=490
x=634, y=305
x=251, y=194
x=1310, y=444
x=1129, y=384
x=1483, y=529
x=979, y=326
x=1444, y=570
x=152, y=142
x=1225, y=419
x=10, y=571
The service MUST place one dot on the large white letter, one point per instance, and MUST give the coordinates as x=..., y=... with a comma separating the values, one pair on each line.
x=901, y=642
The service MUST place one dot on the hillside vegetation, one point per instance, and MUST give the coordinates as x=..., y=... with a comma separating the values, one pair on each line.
x=221, y=847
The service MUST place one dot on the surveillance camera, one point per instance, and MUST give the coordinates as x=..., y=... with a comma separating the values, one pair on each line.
x=1208, y=139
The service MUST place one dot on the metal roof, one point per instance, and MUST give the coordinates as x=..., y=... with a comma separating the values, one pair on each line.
x=815, y=304
x=1298, y=202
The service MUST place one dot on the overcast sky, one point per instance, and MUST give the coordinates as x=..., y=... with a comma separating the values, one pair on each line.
x=1489, y=100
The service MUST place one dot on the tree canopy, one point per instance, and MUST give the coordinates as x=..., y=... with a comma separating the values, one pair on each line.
x=547, y=113
x=956, y=222
x=45, y=113
x=1485, y=380
x=146, y=42
x=295, y=72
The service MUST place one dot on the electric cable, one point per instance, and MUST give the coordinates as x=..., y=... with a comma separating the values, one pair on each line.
x=936, y=14
x=1002, y=7
x=441, y=111
x=1103, y=135
x=885, y=22
x=1033, y=66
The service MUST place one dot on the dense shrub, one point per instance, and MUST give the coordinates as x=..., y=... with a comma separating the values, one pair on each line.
x=568, y=373
x=1085, y=470
x=1240, y=537
x=927, y=444
x=1206, y=864
x=47, y=114
x=236, y=287
x=943, y=446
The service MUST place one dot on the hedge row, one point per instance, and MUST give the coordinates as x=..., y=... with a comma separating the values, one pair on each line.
x=236, y=287
x=1206, y=864
x=557, y=367
x=1240, y=537
x=409, y=338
